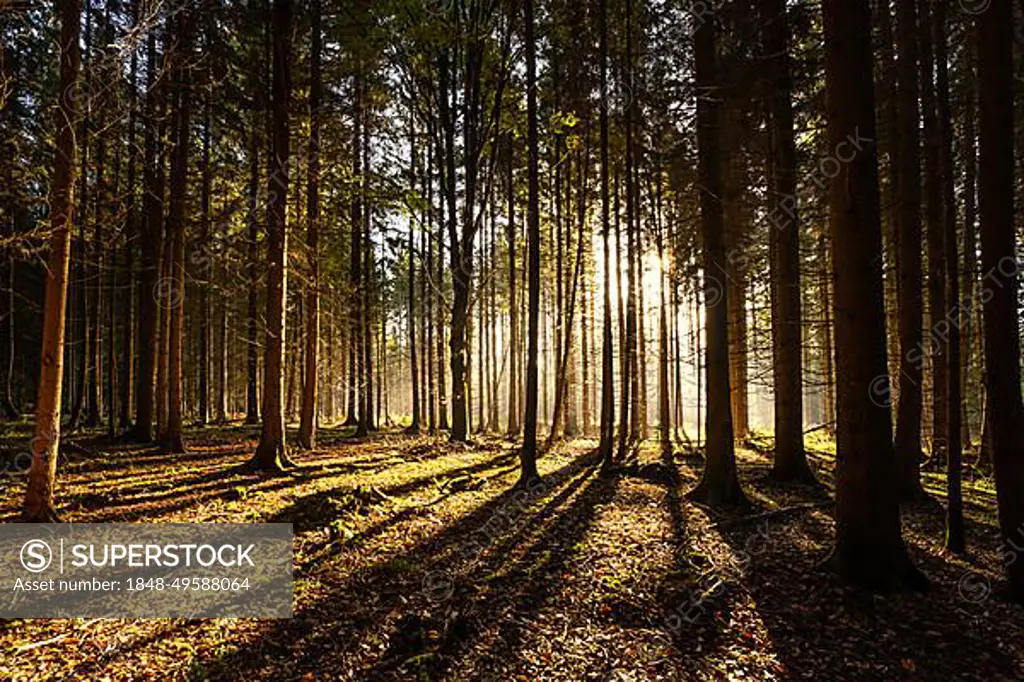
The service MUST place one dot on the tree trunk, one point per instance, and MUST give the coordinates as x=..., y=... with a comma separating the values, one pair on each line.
x=204, y=294
x=126, y=382
x=664, y=407
x=869, y=550
x=951, y=342
x=969, y=316
x=719, y=485
x=999, y=263
x=513, y=306
x=936, y=248
x=631, y=415
x=528, y=452
x=790, y=463
x=414, y=427
x=8, y=407
x=308, y=421
x=39, y=499
x=180, y=74
x=271, y=453
x=252, y=410
x=908, y=417
x=152, y=220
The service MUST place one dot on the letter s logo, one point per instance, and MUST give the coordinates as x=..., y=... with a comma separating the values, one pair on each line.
x=36, y=556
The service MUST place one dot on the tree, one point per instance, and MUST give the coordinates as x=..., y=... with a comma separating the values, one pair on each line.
x=719, y=485
x=39, y=500
x=513, y=306
x=869, y=550
x=271, y=454
x=999, y=282
x=152, y=219
x=607, y=380
x=528, y=451
x=955, y=541
x=414, y=427
x=307, y=426
x=908, y=415
x=784, y=234
x=172, y=438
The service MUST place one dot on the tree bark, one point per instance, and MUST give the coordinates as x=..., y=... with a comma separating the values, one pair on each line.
x=869, y=550
x=719, y=485
x=936, y=248
x=999, y=265
x=271, y=454
x=908, y=417
x=39, y=497
x=955, y=541
x=528, y=452
x=172, y=439
x=790, y=463
x=414, y=427
x=149, y=262
x=308, y=420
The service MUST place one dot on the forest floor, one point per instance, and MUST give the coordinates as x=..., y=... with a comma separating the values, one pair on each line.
x=413, y=560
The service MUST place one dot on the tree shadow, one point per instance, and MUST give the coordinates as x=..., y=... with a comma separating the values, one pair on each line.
x=393, y=583
x=815, y=621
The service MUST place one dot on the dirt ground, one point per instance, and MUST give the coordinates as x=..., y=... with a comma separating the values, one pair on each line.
x=414, y=560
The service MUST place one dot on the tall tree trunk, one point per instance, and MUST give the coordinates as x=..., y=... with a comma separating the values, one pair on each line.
x=205, y=339
x=252, y=410
x=828, y=368
x=664, y=408
x=790, y=462
x=222, y=363
x=271, y=452
x=631, y=415
x=430, y=296
x=368, y=308
x=999, y=263
x=94, y=286
x=308, y=420
x=414, y=427
x=887, y=93
x=528, y=452
x=936, y=248
x=950, y=341
x=39, y=499
x=152, y=221
x=719, y=485
x=513, y=306
x=357, y=415
x=969, y=321
x=126, y=382
x=82, y=271
x=8, y=408
x=869, y=550
x=176, y=230
x=908, y=418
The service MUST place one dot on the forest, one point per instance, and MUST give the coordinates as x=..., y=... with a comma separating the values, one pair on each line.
x=570, y=340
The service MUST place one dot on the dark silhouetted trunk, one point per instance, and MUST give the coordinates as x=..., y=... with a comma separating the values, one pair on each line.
x=869, y=550
x=528, y=452
x=790, y=462
x=908, y=416
x=951, y=342
x=999, y=265
x=719, y=485
x=150, y=239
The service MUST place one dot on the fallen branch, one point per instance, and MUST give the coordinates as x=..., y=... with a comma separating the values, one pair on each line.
x=728, y=523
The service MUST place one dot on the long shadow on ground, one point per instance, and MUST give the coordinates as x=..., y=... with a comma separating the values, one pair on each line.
x=321, y=635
